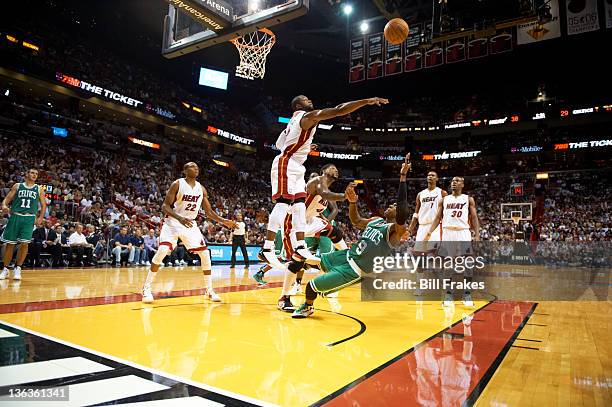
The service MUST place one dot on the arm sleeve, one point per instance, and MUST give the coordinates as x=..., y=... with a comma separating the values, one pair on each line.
x=402, y=204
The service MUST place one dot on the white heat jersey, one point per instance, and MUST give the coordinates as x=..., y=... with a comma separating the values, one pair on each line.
x=429, y=205
x=294, y=142
x=188, y=200
x=456, y=212
x=315, y=205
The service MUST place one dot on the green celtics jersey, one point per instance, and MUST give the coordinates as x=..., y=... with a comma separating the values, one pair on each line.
x=374, y=242
x=26, y=200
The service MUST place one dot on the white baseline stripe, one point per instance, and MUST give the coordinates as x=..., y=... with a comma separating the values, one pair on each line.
x=47, y=370
x=98, y=391
x=147, y=369
x=6, y=334
x=179, y=402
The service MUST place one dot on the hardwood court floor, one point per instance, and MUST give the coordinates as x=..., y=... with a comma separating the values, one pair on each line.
x=349, y=353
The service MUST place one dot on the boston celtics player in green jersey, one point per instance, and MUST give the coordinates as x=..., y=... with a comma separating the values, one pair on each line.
x=23, y=199
x=345, y=267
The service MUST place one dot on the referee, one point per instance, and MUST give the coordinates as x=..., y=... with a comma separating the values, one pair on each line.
x=239, y=236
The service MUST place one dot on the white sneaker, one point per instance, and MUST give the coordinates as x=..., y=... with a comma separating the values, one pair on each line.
x=272, y=260
x=4, y=274
x=147, y=263
x=183, y=263
x=177, y=263
x=212, y=295
x=147, y=295
x=17, y=273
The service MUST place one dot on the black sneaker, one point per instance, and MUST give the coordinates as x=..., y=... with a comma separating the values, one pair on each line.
x=284, y=304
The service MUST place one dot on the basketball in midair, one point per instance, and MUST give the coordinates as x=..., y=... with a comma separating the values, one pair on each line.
x=396, y=31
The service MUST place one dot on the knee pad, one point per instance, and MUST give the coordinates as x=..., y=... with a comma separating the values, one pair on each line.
x=277, y=216
x=161, y=254
x=295, y=266
x=299, y=217
x=205, y=259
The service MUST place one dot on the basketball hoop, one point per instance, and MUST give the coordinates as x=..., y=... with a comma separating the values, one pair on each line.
x=253, y=49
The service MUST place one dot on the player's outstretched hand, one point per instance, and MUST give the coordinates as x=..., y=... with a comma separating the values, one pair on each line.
x=427, y=236
x=6, y=210
x=230, y=224
x=406, y=166
x=350, y=193
x=185, y=222
x=378, y=101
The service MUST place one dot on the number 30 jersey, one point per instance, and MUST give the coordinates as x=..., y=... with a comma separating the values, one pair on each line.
x=374, y=242
x=456, y=212
x=188, y=200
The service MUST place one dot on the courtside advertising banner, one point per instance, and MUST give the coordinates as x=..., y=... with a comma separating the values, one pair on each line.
x=357, y=58
x=534, y=32
x=582, y=16
x=375, y=56
x=219, y=252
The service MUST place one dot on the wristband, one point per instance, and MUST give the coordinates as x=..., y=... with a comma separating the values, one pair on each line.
x=415, y=216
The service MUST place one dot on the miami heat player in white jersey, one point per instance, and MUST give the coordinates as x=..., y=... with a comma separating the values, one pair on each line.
x=428, y=208
x=187, y=205
x=456, y=213
x=287, y=173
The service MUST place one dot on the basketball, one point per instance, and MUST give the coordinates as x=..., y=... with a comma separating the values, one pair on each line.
x=396, y=31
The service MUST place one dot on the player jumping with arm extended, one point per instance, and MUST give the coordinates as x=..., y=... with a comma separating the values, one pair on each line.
x=287, y=173
x=181, y=206
x=345, y=267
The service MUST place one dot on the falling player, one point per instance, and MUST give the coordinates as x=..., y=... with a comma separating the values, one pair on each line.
x=287, y=173
x=457, y=212
x=318, y=227
x=23, y=199
x=182, y=204
x=345, y=267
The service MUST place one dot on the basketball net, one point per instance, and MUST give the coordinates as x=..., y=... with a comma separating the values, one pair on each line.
x=516, y=219
x=253, y=49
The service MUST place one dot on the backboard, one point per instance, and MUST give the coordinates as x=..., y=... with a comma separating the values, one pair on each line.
x=510, y=209
x=192, y=25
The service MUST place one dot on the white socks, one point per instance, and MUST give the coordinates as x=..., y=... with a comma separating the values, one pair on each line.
x=288, y=282
x=150, y=278
x=208, y=282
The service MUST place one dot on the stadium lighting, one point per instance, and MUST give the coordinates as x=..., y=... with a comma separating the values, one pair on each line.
x=364, y=27
x=347, y=9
